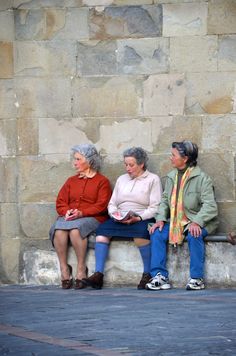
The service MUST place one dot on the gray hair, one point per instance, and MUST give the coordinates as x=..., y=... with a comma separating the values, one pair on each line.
x=90, y=153
x=187, y=149
x=139, y=154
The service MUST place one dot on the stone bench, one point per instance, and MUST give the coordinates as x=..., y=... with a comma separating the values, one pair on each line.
x=124, y=265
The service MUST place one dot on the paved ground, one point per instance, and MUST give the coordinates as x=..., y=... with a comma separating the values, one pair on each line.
x=116, y=321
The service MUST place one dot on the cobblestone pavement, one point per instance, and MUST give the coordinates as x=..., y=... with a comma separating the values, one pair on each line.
x=46, y=321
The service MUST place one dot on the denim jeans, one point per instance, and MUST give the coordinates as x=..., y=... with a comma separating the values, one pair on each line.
x=159, y=240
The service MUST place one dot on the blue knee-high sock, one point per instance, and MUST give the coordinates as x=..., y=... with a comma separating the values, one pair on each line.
x=101, y=252
x=145, y=252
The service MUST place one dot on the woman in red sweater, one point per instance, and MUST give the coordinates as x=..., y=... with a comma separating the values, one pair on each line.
x=81, y=205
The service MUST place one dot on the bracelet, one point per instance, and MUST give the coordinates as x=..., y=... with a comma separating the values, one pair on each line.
x=140, y=217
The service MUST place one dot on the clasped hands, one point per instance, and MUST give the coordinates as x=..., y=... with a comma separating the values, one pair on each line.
x=73, y=214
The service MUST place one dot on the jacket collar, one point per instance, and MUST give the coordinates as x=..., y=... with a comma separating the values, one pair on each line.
x=195, y=172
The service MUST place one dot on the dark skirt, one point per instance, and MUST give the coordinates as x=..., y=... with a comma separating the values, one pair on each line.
x=85, y=226
x=111, y=228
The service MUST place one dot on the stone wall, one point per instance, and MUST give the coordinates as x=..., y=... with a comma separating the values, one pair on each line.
x=114, y=73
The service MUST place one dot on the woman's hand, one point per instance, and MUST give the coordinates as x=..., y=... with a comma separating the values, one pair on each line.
x=194, y=229
x=131, y=220
x=158, y=224
x=73, y=214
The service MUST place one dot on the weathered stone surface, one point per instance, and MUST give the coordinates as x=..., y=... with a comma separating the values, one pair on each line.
x=40, y=178
x=52, y=137
x=36, y=219
x=115, y=2
x=143, y=56
x=27, y=133
x=193, y=53
x=43, y=24
x=106, y=97
x=38, y=97
x=97, y=58
x=125, y=133
x=220, y=167
x=125, y=21
x=227, y=216
x=8, y=137
x=211, y=93
x=9, y=260
x=8, y=179
x=219, y=133
x=7, y=25
x=45, y=58
x=168, y=129
x=164, y=94
x=9, y=218
x=7, y=99
x=188, y=19
x=6, y=60
x=221, y=17
x=227, y=53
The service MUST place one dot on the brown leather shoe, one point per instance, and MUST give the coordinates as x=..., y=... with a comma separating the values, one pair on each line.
x=94, y=281
x=79, y=283
x=67, y=283
x=232, y=238
x=144, y=280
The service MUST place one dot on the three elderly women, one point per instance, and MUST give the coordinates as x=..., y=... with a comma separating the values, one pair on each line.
x=186, y=210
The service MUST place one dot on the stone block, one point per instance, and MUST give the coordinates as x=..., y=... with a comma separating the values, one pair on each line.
x=52, y=137
x=8, y=138
x=168, y=129
x=7, y=24
x=8, y=179
x=221, y=17
x=125, y=21
x=40, y=178
x=36, y=219
x=193, y=53
x=9, y=260
x=45, y=58
x=6, y=60
x=220, y=167
x=27, y=133
x=185, y=19
x=227, y=213
x=164, y=94
x=125, y=134
x=106, y=97
x=96, y=58
x=37, y=97
x=115, y=2
x=211, y=93
x=219, y=133
x=10, y=224
x=227, y=53
x=7, y=99
x=46, y=23
x=143, y=56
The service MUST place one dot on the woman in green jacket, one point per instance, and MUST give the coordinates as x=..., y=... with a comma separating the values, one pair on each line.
x=187, y=210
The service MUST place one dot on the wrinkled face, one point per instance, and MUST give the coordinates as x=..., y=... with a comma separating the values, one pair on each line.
x=80, y=163
x=132, y=167
x=177, y=160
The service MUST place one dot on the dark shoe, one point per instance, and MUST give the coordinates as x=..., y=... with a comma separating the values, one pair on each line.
x=68, y=283
x=144, y=280
x=94, y=281
x=232, y=238
x=78, y=282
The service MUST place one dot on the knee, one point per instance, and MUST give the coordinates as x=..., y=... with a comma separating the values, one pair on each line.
x=160, y=236
x=102, y=239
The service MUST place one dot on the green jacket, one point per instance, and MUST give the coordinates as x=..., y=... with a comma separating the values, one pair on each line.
x=198, y=198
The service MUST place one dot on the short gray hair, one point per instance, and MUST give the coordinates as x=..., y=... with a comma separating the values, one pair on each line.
x=90, y=153
x=139, y=154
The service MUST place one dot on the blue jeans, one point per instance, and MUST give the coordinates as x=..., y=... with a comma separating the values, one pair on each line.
x=159, y=240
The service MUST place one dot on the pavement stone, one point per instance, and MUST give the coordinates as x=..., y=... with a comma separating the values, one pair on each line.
x=46, y=320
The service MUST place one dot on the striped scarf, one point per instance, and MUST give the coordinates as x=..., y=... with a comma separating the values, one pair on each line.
x=178, y=218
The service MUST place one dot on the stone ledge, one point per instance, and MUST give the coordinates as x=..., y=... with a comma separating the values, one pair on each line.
x=124, y=265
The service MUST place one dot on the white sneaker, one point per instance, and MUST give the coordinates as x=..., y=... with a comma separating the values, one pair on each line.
x=158, y=282
x=195, y=284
